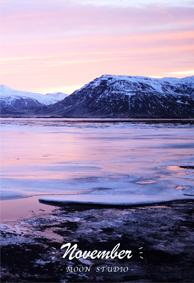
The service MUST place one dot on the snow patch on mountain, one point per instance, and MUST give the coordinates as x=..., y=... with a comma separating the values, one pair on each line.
x=132, y=84
x=56, y=96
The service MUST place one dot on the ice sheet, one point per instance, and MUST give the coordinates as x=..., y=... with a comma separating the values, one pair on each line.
x=112, y=200
x=54, y=156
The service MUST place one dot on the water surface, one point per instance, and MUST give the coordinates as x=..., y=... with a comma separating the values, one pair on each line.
x=57, y=156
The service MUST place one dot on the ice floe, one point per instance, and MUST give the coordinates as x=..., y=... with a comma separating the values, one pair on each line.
x=111, y=200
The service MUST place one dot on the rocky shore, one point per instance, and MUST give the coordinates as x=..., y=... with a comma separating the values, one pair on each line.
x=160, y=238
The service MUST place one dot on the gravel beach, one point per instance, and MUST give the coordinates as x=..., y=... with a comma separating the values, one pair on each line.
x=160, y=238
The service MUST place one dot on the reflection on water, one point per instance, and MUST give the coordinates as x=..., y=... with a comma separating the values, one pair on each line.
x=50, y=156
x=23, y=208
x=174, y=168
x=179, y=187
x=146, y=182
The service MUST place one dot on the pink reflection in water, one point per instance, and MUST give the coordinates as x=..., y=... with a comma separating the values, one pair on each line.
x=23, y=208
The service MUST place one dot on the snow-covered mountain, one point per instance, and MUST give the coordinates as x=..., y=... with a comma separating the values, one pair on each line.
x=108, y=96
x=15, y=101
x=55, y=97
x=125, y=96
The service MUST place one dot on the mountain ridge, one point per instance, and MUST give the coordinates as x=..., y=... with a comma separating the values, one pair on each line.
x=127, y=96
x=119, y=96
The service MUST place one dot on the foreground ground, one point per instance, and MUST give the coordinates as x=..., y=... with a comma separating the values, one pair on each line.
x=161, y=239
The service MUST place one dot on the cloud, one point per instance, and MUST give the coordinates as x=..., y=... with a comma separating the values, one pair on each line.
x=80, y=20
x=183, y=73
x=50, y=43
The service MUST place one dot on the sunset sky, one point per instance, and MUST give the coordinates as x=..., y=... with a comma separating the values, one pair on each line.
x=60, y=45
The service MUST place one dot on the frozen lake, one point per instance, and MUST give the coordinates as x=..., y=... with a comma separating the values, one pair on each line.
x=57, y=156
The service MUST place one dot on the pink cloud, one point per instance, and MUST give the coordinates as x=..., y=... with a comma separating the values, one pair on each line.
x=52, y=44
x=82, y=19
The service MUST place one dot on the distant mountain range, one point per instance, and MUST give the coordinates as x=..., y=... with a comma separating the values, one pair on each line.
x=15, y=102
x=109, y=96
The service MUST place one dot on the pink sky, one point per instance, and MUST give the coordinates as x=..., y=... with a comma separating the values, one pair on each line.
x=60, y=45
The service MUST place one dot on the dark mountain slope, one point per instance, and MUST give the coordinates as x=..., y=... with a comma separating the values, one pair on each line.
x=122, y=96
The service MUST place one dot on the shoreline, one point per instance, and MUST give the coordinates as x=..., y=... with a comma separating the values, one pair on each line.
x=19, y=208
x=109, y=120
x=165, y=231
x=15, y=209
